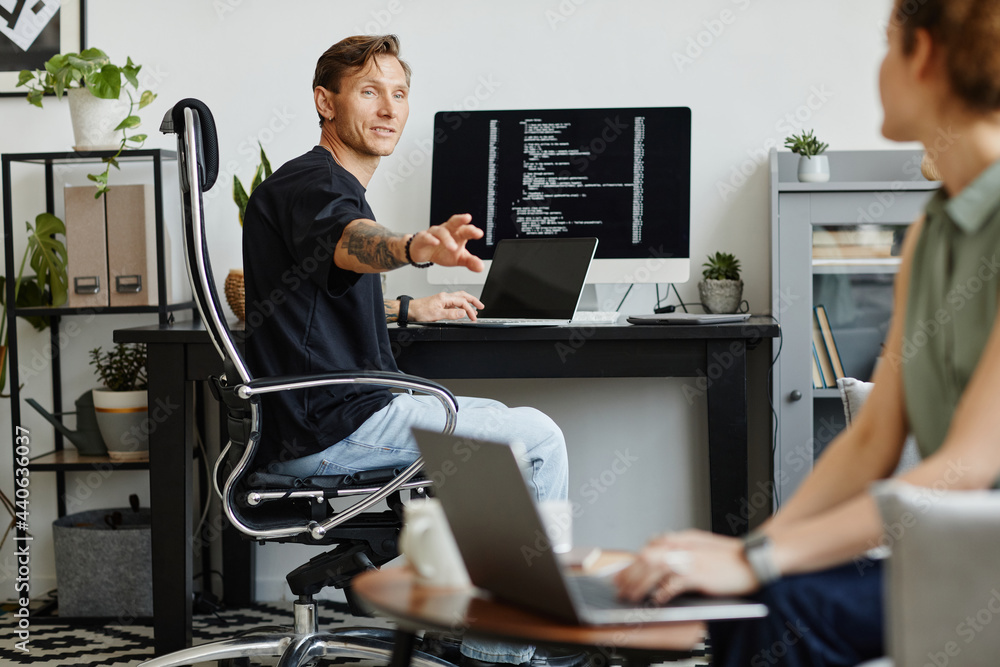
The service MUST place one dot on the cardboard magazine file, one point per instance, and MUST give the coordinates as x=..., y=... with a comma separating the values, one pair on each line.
x=131, y=228
x=86, y=248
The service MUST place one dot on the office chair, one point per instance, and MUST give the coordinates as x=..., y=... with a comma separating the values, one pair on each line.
x=271, y=507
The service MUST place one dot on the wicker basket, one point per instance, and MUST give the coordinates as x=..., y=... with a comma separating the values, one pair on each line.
x=235, y=293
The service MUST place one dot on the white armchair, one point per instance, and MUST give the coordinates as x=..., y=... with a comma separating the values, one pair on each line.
x=853, y=393
x=943, y=577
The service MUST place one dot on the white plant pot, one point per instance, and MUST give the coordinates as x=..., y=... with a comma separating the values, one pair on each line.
x=721, y=296
x=94, y=121
x=815, y=169
x=123, y=418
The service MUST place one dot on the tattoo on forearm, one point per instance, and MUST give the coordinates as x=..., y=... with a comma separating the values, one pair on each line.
x=370, y=244
x=391, y=311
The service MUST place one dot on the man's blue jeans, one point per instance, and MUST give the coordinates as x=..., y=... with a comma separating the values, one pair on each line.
x=385, y=440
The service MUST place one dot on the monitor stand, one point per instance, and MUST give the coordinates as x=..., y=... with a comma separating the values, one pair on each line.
x=588, y=300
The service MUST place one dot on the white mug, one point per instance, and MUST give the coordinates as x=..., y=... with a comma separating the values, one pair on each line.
x=557, y=519
x=427, y=542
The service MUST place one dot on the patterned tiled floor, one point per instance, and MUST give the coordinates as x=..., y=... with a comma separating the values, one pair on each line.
x=85, y=645
x=72, y=644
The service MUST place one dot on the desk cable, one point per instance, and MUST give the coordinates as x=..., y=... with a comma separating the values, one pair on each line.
x=205, y=601
x=208, y=472
x=774, y=413
x=625, y=296
x=744, y=306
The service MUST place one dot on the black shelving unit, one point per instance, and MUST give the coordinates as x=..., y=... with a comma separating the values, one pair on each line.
x=60, y=460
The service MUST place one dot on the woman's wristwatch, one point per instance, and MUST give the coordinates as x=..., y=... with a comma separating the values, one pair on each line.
x=758, y=549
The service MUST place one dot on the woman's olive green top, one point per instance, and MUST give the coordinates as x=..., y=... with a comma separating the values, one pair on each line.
x=952, y=304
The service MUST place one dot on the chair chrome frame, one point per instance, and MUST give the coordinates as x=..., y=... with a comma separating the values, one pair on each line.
x=303, y=643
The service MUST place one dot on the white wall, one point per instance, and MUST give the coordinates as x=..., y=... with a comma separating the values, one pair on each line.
x=751, y=71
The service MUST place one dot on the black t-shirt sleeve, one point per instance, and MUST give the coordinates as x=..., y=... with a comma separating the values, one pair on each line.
x=320, y=214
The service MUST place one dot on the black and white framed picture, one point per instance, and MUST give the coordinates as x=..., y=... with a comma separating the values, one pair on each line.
x=32, y=31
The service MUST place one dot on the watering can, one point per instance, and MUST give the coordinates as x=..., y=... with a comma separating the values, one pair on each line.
x=87, y=436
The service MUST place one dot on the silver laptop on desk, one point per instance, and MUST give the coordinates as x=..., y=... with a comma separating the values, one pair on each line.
x=493, y=517
x=533, y=282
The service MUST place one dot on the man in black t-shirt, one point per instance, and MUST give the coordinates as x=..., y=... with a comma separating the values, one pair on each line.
x=312, y=251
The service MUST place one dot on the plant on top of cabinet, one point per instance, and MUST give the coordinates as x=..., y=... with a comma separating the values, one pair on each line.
x=814, y=167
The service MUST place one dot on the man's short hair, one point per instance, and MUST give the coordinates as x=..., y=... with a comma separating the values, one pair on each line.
x=352, y=54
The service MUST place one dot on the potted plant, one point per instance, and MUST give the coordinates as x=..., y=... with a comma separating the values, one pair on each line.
x=234, y=286
x=814, y=167
x=721, y=289
x=122, y=406
x=49, y=286
x=94, y=86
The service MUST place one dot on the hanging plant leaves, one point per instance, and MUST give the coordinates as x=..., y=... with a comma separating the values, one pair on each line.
x=48, y=256
x=106, y=83
x=131, y=121
x=131, y=72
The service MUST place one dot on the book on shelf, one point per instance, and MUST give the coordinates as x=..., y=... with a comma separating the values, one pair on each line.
x=822, y=358
x=828, y=340
x=852, y=252
x=862, y=242
x=817, y=374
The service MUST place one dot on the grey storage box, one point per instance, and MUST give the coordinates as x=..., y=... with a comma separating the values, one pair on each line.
x=104, y=564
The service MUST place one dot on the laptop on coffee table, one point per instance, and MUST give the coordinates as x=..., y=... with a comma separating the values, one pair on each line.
x=498, y=530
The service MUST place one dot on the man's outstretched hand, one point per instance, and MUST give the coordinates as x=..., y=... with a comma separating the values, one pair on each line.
x=445, y=244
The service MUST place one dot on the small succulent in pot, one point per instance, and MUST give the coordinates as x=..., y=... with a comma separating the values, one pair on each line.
x=721, y=266
x=806, y=144
x=814, y=167
x=721, y=289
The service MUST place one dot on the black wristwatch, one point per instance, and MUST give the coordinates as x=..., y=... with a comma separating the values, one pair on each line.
x=404, y=310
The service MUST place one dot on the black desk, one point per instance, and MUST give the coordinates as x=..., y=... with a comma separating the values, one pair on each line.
x=180, y=354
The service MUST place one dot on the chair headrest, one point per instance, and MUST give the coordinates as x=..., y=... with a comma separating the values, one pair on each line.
x=208, y=146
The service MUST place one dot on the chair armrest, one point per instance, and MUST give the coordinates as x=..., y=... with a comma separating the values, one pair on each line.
x=377, y=378
x=380, y=378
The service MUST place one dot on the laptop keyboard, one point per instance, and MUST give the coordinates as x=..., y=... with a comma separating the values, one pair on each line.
x=596, y=317
x=597, y=592
x=512, y=320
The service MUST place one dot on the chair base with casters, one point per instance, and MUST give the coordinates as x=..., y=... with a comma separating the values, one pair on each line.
x=278, y=508
x=303, y=644
x=363, y=544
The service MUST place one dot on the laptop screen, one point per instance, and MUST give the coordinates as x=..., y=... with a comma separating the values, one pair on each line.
x=537, y=278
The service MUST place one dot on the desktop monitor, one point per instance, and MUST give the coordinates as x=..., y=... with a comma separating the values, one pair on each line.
x=622, y=175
